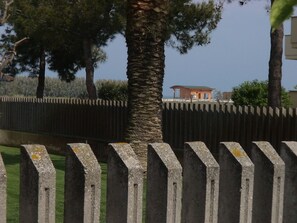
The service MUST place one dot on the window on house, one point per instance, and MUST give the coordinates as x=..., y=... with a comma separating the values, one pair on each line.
x=176, y=93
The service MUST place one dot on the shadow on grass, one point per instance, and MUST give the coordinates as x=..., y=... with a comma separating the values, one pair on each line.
x=10, y=159
x=59, y=164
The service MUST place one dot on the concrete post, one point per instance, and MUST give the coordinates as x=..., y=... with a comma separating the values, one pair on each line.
x=200, y=184
x=269, y=183
x=37, y=185
x=288, y=153
x=164, y=185
x=124, y=185
x=82, y=185
x=3, y=182
x=236, y=184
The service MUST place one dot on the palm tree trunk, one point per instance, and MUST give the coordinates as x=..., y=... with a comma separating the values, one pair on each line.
x=145, y=34
x=275, y=67
x=91, y=89
x=41, y=76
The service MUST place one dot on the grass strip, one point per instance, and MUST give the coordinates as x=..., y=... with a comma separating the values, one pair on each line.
x=11, y=158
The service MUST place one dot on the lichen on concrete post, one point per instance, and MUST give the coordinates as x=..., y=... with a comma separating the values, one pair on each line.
x=236, y=184
x=82, y=185
x=124, y=185
x=3, y=196
x=200, y=184
x=37, y=185
x=164, y=185
x=288, y=153
x=269, y=183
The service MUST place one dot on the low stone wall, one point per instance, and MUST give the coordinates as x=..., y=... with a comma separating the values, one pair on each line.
x=236, y=188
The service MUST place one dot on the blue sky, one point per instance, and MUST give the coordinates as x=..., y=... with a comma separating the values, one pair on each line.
x=239, y=51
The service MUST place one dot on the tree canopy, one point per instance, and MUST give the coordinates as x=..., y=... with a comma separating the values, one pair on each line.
x=66, y=35
x=191, y=23
x=69, y=35
x=60, y=27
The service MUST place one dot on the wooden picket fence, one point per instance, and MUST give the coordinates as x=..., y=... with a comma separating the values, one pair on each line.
x=106, y=121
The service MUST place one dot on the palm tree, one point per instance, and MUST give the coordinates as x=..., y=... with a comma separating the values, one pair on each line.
x=275, y=66
x=275, y=62
x=182, y=24
x=145, y=38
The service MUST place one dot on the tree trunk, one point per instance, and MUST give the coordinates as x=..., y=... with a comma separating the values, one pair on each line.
x=91, y=89
x=275, y=67
x=41, y=76
x=145, y=34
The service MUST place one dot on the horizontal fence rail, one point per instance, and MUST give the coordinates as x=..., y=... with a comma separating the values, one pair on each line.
x=235, y=188
x=106, y=121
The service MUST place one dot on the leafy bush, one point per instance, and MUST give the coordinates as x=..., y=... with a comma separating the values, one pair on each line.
x=54, y=87
x=255, y=93
x=112, y=90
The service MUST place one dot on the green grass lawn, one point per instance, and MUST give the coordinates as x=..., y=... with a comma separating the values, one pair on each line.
x=11, y=158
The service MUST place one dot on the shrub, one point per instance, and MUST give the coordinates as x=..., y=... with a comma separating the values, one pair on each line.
x=112, y=90
x=54, y=87
x=255, y=93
